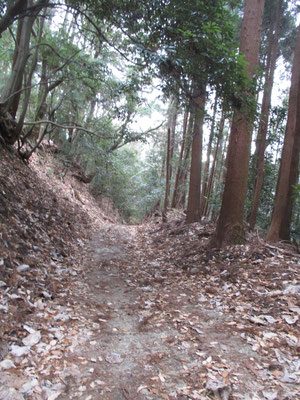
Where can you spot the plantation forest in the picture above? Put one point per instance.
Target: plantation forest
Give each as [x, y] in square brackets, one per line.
[149, 199]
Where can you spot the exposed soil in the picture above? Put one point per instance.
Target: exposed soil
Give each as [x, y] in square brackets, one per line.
[97, 310]
[134, 358]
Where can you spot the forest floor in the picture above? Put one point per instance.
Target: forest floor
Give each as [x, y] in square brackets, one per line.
[94, 309]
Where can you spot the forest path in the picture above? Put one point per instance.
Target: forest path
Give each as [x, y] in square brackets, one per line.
[147, 312]
[145, 337]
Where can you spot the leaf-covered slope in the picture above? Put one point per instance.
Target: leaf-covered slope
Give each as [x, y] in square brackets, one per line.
[45, 216]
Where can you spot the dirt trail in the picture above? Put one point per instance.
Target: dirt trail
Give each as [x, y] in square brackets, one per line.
[144, 312]
[137, 349]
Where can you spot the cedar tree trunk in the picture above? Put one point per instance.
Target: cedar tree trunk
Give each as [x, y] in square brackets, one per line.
[285, 227]
[193, 208]
[230, 226]
[180, 160]
[265, 111]
[283, 184]
[208, 154]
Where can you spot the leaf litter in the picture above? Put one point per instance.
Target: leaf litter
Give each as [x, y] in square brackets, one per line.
[143, 312]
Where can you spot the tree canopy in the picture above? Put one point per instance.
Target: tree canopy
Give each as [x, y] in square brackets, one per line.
[84, 73]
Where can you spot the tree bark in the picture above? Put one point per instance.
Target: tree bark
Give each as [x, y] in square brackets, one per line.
[193, 208]
[281, 198]
[172, 125]
[208, 153]
[15, 8]
[181, 189]
[213, 167]
[180, 160]
[265, 111]
[230, 226]
[285, 227]
[16, 99]
[168, 173]
[11, 90]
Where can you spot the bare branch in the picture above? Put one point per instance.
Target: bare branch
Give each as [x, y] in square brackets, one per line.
[78, 127]
[100, 33]
[154, 129]
[67, 60]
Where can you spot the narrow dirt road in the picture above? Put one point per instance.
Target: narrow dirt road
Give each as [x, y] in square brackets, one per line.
[145, 314]
[144, 338]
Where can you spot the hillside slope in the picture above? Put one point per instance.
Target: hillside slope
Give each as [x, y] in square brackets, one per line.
[145, 312]
[46, 218]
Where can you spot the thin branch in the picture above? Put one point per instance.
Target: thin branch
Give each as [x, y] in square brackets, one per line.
[118, 144]
[154, 129]
[99, 31]
[12, 35]
[78, 127]
[18, 91]
[56, 53]
[44, 83]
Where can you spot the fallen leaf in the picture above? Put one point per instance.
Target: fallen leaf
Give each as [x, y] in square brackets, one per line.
[28, 386]
[32, 339]
[270, 395]
[19, 350]
[164, 396]
[7, 364]
[289, 319]
[219, 389]
[142, 387]
[114, 358]
[257, 320]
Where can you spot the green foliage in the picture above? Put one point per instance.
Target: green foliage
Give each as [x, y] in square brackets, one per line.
[181, 41]
[6, 54]
[133, 185]
[150, 184]
[277, 126]
[103, 56]
[288, 29]
[115, 180]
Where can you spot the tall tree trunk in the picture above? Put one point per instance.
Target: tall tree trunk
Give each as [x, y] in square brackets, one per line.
[12, 89]
[16, 98]
[193, 208]
[265, 111]
[283, 184]
[181, 191]
[218, 182]
[172, 126]
[180, 160]
[230, 227]
[11, 93]
[213, 167]
[285, 227]
[28, 81]
[42, 106]
[173, 110]
[208, 153]
[168, 173]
